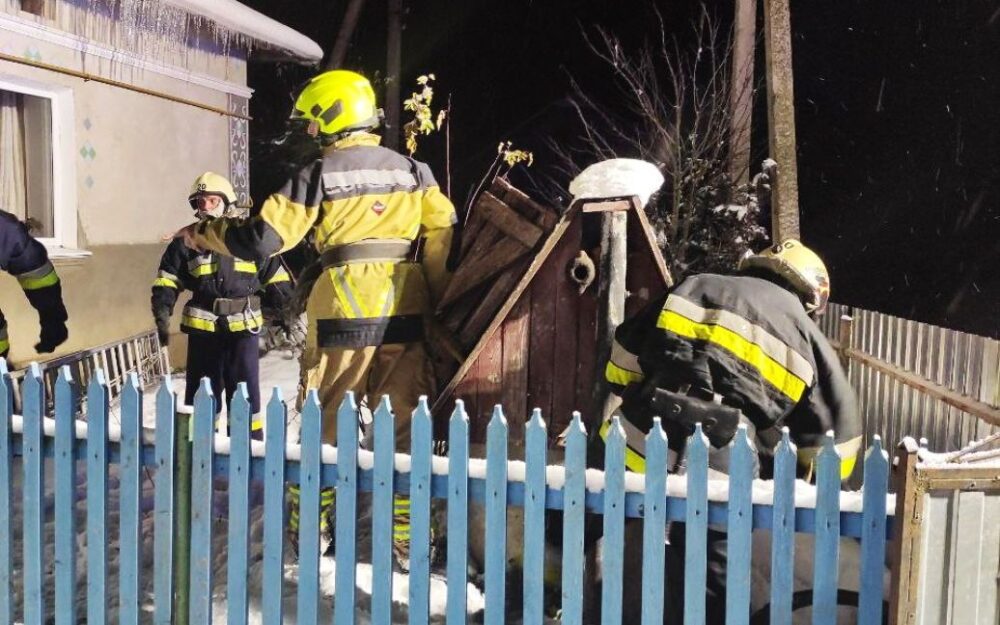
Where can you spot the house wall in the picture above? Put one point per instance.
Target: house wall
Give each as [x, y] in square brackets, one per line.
[135, 157]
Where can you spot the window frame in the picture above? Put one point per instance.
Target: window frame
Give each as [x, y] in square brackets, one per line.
[64, 191]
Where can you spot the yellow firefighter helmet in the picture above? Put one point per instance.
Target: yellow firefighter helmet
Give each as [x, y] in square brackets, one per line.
[798, 265]
[211, 183]
[337, 102]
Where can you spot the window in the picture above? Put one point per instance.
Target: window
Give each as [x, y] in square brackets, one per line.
[37, 170]
[26, 160]
[36, 7]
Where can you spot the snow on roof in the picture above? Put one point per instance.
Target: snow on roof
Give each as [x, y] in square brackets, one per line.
[232, 15]
[617, 177]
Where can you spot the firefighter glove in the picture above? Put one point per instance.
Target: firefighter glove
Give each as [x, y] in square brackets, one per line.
[54, 334]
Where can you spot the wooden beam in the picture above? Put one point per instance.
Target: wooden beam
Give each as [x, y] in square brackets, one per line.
[508, 220]
[741, 90]
[905, 546]
[978, 409]
[781, 119]
[654, 249]
[606, 206]
[611, 270]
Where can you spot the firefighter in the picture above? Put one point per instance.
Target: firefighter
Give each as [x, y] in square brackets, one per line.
[26, 259]
[225, 314]
[721, 350]
[383, 231]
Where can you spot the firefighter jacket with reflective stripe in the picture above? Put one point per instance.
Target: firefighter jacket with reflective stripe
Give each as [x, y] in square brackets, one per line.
[358, 191]
[26, 259]
[225, 290]
[750, 341]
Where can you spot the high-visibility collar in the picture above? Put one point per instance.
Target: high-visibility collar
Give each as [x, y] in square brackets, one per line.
[357, 138]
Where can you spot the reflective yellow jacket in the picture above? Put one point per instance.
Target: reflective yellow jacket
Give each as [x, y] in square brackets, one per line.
[358, 191]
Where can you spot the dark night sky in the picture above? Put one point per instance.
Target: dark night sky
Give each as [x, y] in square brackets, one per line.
[897, 110]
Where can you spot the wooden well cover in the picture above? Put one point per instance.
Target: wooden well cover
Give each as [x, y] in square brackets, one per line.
[539, 349]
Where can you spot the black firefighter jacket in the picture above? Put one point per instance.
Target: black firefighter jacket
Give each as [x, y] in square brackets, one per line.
[26, 259]
[750, 341]
[225, 291]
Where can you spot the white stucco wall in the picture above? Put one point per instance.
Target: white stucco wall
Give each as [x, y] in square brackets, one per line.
[135, 156]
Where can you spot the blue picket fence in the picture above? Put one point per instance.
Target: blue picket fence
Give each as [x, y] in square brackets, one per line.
[532, 485]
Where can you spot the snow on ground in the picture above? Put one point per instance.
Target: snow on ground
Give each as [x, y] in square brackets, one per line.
[277, 369]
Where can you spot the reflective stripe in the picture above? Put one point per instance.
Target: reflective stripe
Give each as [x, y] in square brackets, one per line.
[165, 278]
[775, 349]
[256, 425]
[203, 265]
[388, 299]
[245, 266]
[38, 278]
[345, 294]
[635, 460]
[204, 270]
[198, 319]
[616, 375]
[198, 324]
[240, 322]
[625, 359]
[4, 345]
[749, 352]
[848, 452]
[279, 276]
[369, 177]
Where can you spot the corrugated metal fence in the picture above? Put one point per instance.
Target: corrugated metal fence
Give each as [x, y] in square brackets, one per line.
[53, 592]
[932, 374]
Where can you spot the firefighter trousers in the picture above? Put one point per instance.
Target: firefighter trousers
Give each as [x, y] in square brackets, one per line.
[226, 360]
[400, 370]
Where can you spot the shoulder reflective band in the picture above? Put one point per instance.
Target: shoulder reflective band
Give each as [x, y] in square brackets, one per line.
[4, 343]
[202, 265]
[244, 266]
[779, 364]
[38, 278]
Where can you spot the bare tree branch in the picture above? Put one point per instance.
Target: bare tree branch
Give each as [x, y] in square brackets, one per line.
[674, 107]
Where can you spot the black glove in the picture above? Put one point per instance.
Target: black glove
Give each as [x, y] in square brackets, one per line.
[54, 334]
[164, 335]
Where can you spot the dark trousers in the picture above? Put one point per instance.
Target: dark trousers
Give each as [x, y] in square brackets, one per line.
[226, 360]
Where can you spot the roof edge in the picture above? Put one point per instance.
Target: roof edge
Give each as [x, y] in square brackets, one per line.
[268, 32]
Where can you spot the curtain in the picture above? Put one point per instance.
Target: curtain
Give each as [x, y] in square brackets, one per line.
[13, 190]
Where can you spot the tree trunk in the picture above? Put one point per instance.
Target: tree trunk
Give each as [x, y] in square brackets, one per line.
[339, 51]
[393, 69]
[741, 90]
[781, 119]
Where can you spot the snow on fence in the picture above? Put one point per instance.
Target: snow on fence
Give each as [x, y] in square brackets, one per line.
[496, 484]
[919, 380]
